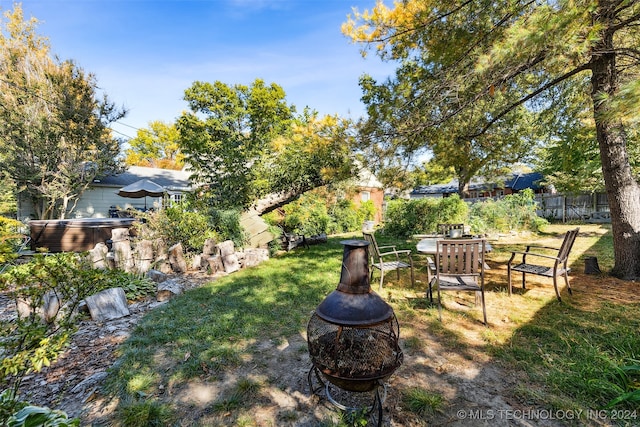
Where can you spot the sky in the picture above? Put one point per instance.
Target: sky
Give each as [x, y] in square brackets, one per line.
[145, 53]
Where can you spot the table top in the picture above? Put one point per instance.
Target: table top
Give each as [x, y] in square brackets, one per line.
[428, 245]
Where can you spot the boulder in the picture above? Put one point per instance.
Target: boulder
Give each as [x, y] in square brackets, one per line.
[98, 256]
[228, 255]
[254, 256]
[108, 304]
[176, 258]
[215, 264]
[168, 289]
[144, 255]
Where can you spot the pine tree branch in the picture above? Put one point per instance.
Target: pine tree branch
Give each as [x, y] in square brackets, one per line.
[533, 94]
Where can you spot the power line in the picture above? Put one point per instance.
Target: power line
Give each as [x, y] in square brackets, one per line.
[124, 124]
[123, 134]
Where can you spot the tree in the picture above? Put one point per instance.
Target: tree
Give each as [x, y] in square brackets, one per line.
[248, 148]
[392, 134]
[53, 128]
[156, 146]
[524, 49]
[570, 159]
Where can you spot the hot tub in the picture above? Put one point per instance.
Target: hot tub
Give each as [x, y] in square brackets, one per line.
[74, 235]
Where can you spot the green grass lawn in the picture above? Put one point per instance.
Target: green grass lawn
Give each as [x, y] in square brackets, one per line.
[569, 355]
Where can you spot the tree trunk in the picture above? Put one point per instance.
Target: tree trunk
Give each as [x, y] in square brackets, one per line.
[273, 201]
[623, 192]
[464, 178]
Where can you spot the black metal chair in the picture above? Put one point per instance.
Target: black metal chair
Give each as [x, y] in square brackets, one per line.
[555, 265]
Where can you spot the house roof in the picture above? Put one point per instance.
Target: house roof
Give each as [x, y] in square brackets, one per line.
[167, 178]
[367, 179]
[516, 182]
[525, 180]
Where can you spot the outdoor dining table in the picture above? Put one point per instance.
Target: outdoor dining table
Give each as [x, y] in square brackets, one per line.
[427, 245]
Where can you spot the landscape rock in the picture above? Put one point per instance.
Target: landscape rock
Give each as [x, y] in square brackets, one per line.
[162, 257]
[254, 256]
[98, 255]
[47, 309]
[215, 264]
[144, 255]
[176, 258]
[122, 249]
[156, 276]
[228, 255]
[168, 289]
[91, 381]
[108, 304]
[210, 248]
[200, 262]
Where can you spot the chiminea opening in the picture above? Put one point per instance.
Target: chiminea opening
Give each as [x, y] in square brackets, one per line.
[353, 334]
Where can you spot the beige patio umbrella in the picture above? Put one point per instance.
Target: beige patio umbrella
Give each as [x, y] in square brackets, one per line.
[142, 188]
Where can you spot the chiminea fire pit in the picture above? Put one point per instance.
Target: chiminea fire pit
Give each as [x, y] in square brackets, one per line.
[353, 334]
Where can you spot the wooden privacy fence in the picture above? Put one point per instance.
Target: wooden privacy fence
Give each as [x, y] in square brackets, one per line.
[588, 207]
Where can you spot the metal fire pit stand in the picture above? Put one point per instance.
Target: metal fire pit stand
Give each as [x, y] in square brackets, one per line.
[378, 400]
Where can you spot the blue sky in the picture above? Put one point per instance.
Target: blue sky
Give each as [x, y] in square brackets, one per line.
[145, 53]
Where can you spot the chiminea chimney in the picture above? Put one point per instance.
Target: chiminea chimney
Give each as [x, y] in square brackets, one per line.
[353, 334]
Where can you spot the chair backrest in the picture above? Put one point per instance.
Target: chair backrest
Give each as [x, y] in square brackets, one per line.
[460, 257]
[444, 229]
[373, 245]
[567, 244]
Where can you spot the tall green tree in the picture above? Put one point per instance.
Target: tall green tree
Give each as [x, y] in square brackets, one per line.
[247, 147]
[53, 127]
[523, 49]
[570, 158]
[157, 146]
[393, 135]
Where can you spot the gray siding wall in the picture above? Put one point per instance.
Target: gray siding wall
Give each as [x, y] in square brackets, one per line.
[95, 203]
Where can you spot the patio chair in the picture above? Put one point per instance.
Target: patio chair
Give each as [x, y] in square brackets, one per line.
[459, 267]
[387, 258]
[547, 265]
[445, 229]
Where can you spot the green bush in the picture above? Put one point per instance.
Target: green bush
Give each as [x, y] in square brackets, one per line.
[366, 211]
[226, 225]
[34, 416]
[308, 216]
[181, 223]
[10, 238]
[314, 214]
[512, 212]
[344, 217]
[176, 224]
[406, 217]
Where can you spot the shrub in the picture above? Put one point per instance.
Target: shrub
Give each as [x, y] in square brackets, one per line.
[31, 416]
[32, 340]
[10, 238]
[226, 225]
[366, 211]
[406, 217]
[344, 217]
[308, 216]
[314, 213]
[176, 224]
[512, 212]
